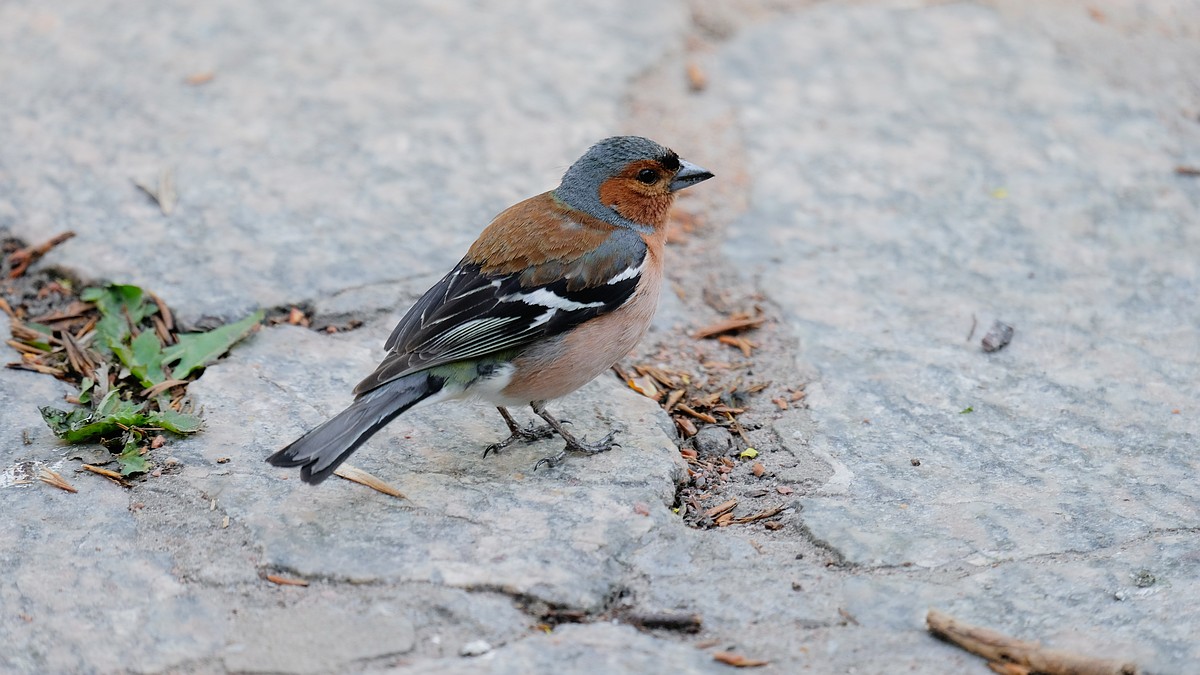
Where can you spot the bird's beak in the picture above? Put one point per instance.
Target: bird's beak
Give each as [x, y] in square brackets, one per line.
[688, 174]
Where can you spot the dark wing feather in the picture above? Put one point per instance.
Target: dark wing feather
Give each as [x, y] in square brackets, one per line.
[470, 313]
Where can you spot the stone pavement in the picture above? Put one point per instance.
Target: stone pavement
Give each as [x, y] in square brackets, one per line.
[890, 174]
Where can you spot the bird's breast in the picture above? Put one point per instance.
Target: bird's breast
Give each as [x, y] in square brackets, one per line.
[560, 365]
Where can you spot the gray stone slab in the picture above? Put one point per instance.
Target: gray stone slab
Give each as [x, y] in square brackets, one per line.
[920, 170]
[951, 170]
[317, 638]
[464, 512]
[603, 647]
[337, 144]
[905, 169]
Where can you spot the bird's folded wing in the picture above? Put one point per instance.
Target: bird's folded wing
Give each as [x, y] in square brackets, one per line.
[471, 313]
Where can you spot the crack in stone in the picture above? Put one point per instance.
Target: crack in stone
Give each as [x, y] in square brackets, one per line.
[839, 559]
[1074, 555]
[553, 613]
[1071, 555]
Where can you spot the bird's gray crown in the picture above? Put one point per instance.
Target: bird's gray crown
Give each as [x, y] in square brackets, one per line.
[580, 187]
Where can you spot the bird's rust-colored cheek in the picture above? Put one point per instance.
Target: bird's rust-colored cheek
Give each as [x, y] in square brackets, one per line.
[643, 204]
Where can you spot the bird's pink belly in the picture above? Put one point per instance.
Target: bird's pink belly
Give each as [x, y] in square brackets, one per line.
[559, 367]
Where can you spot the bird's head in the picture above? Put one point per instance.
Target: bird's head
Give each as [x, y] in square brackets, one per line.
[628, 181]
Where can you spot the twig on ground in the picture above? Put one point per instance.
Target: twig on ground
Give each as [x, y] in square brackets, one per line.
[730, 325]
[1003, 652]
[285, 581]
[687, 623]
[21, 260]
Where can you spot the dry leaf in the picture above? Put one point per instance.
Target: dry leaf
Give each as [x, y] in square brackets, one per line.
[645, 387]
[703, 417]
[697, 80]
[673, 398]
[761, 515]
[721, 509]
[163, 193]
[286, 581]
[740, 342]
[686, 427]
[357, 475]
[22, 259]
[53, 478]
[734, 323]
[738, 660]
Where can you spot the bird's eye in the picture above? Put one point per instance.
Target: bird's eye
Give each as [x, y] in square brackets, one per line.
[647, 176]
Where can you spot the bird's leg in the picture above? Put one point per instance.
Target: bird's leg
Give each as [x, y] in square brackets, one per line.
[572, 443]
[518, 433]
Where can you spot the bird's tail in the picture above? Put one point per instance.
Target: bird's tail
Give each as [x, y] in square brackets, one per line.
[321, 450]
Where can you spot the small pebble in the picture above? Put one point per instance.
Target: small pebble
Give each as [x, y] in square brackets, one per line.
[475, 648]
[998, 337]
[914, 461]
[713, 441]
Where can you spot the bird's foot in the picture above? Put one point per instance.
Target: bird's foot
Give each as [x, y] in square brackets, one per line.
[526, 434]
[603, 445]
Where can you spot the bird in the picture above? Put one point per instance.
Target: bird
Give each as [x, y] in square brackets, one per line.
[556, 290]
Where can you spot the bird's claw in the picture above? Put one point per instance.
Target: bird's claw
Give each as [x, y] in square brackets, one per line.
[603, 445]
[527, 434]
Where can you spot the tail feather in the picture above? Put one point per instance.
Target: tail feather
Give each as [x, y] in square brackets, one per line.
[319, 452]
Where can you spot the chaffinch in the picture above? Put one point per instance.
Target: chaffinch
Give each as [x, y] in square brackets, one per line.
[556, 290]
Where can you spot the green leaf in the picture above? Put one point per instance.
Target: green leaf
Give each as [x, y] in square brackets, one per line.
[119, 305]
[112, 418]
[131, 459]
[85, 390]
[967, 410]
[81, 425]
[177, 422]
[62, 422]
[112, 405]
[143, 357]
[196, 350]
